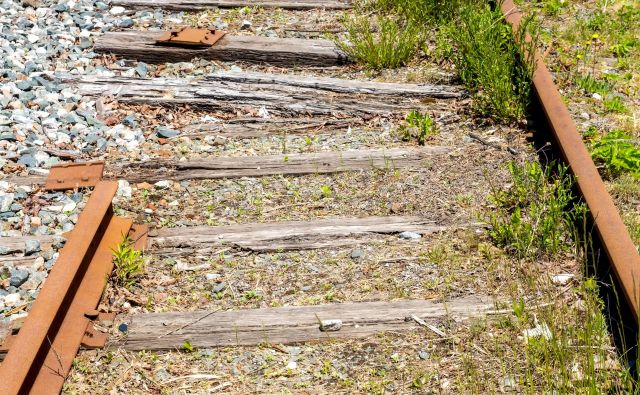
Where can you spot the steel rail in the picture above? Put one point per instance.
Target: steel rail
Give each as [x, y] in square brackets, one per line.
[611, 231]
[41, 354]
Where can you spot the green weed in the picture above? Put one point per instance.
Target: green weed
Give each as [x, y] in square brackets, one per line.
[417, 126]
[553, 7]
[592, 85]
[389, 44]
[535, 216]
[187, 347]
[128, 261]
[614, 104]
[491, 63]
[423, 11]
[617, 152]
[325, 191]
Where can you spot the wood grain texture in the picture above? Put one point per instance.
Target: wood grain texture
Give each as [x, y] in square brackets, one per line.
[260, 127]
[339, 85]
[291, 235]
[289, 325]
[257, 166]
[284, 52]
[202, 5]
[280, 96]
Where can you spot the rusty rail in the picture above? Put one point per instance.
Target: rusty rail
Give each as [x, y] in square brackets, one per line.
[60, 321]
[613, 234]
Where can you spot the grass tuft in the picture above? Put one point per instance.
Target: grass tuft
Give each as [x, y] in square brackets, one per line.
[389, 43]
[491, 64]
[535, 216]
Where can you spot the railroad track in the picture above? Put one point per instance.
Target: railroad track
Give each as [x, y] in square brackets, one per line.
[424, 192]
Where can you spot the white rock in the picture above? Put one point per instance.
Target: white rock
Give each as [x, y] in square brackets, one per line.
[69, 207]
[212, 276]
[12, 299]
[124, 189]
[330, 325]
[117, 10]
[164, 184]
[538, 331]
[292, 365]
[597, 96]
[562, 279]
[38, 263]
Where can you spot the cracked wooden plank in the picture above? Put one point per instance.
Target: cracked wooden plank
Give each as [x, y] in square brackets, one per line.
[290, 325]
[280, 95]
[284, 52]
[292, 235]
[291, 164]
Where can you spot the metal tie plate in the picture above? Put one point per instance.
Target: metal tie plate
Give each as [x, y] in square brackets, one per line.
[74, 175]
[191, 37]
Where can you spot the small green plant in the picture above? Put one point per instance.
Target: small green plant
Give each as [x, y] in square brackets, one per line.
[591, 85]
[614, 104]
[325, 191]
[536, 215]
[186, 346]
[128, 261]
[617, 153]
[623, 48]
[493, 66]
[389, 44]
[553, 7]
[417, 126]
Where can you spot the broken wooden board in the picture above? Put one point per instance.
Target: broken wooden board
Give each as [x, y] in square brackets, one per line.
[203, 5]
[290, 325]
[339, 85]
[335, 97]
[291, 164]
[284, 52]
[291, 235]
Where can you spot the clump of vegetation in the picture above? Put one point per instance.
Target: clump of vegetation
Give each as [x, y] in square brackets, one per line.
[536, 215]
[423, 11]
[390, 43]
[417, 126]
[494, 66]
[129, 263]
[617, 152]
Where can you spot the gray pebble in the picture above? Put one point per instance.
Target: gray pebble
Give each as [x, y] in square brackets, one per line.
[18, 277]
[330, 325]
[356, 253]
[6, 201]
[219, 288]
[166, 132]
[31, 246]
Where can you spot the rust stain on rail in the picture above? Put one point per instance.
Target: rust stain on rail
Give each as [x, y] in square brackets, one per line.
[613, 234]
